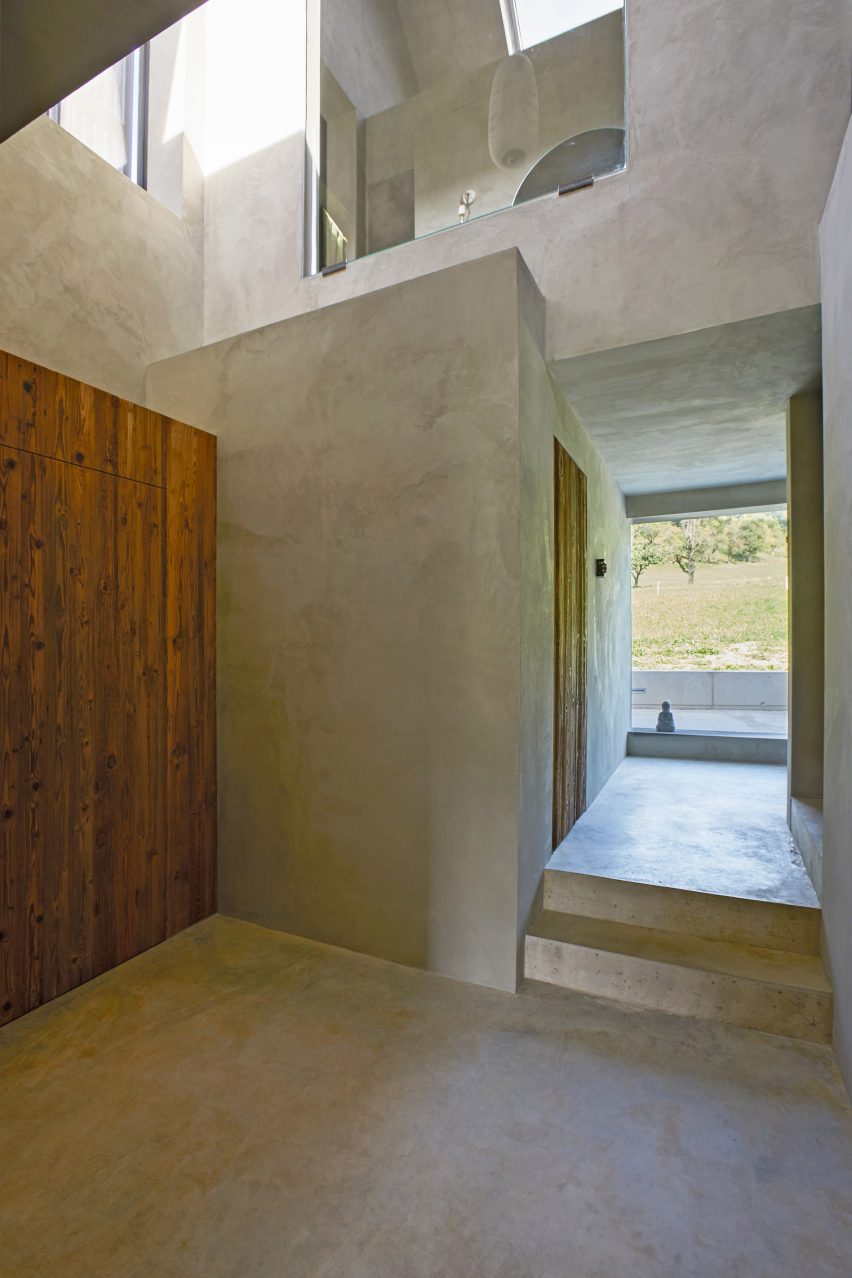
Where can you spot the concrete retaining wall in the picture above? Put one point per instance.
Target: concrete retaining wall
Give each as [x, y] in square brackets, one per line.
[705, 689]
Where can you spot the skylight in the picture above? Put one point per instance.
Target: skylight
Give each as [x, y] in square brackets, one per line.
[543, 19]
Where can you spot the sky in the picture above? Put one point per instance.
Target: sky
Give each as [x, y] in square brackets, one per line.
[542, 19]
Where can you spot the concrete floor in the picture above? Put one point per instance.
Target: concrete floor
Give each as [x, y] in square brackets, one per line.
[707, 827]
[237, 1103]
[716, 720]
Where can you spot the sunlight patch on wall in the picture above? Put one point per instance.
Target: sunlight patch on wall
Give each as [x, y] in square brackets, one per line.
[255, 90]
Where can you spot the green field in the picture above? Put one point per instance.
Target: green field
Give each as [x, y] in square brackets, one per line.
[734, 617]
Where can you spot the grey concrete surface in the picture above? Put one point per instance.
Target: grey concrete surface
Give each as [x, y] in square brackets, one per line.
[723, 690]
[239, 1102]
[836, 251]
[716, 719]
[97, 279]
[718, 747]
[806, 826]
[702, 409]
[729, 499]
[652, 252]
[545, 416]
[709, 915]
[659, 969]
[612, 275]
[48, 48]
[706, 827]
[806, 584]
[385, 580]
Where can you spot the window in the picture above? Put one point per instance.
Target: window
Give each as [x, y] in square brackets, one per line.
[110, 115]
[495, 105]
[530, 22]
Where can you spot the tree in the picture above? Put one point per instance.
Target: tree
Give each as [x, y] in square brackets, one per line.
[747, 538]
[693, 546]
[725, 536]
[648, 547]
[752, 538]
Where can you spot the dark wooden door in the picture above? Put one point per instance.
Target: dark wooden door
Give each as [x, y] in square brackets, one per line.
[569, 713]
[107, 682]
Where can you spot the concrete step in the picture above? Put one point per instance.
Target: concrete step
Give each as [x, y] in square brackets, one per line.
[720, 747]
[744, 985]
[806, 827]
[713, 917]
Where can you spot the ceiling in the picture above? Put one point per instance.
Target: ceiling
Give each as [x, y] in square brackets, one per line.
[698, 410]
[48, 48]
[447, 38]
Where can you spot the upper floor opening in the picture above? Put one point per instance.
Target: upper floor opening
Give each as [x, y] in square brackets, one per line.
[425, 116]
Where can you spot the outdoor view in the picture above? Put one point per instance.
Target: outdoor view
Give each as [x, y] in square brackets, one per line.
[710, 609]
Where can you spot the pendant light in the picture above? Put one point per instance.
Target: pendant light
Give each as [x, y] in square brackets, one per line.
[513, 126]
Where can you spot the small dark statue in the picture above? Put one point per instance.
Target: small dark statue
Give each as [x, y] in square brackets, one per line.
[665, 719]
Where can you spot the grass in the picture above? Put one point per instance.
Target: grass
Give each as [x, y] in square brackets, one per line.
[734, 617]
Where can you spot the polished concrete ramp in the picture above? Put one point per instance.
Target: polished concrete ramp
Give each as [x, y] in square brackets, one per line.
[698, 826]
[237, 1103]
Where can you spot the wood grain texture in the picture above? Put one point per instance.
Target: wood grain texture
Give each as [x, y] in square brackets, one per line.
[55, 416]
[569, 711]
[107, 686]
[190, 630]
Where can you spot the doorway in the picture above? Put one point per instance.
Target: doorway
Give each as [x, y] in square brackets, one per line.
[569, 711]
[710, 622]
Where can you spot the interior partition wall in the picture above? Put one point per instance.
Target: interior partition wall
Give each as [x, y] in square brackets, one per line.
[107, 681]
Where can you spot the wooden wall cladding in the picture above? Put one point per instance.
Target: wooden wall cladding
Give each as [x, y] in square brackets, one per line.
[570, 643]
[107, 681]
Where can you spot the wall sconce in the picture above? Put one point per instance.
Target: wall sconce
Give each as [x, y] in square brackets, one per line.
[600, 567]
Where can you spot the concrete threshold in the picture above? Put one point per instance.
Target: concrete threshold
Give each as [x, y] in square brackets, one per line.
[806, 827]
[721, 747]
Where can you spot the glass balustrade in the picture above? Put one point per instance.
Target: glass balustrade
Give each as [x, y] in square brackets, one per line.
[431, 113]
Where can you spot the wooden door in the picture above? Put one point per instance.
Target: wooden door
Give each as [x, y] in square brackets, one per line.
[569, 714]
[107, 731]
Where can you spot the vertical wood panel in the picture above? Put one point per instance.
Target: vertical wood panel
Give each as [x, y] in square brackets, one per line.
[190, 629]
[107, 683]
[569, 713]
[46, 413]
[14, 715]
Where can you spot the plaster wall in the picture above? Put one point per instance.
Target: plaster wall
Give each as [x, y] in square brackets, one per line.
[545, 415]
[836, 252]
[712, 222]
[253, 156]
[807, 596]
[48, 48]
[364, 47]
[442, 134]
[97, 278]
[385, 623]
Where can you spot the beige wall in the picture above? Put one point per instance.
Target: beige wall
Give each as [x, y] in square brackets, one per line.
[545, 415]
[364, 48]
[713, 221]
[253, 154]
[372, 654]
[836, 250]
[97, 279]
[807, 597]
[580, 77]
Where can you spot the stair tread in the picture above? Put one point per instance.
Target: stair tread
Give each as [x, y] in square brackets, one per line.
[761, 903]
[725, 958]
